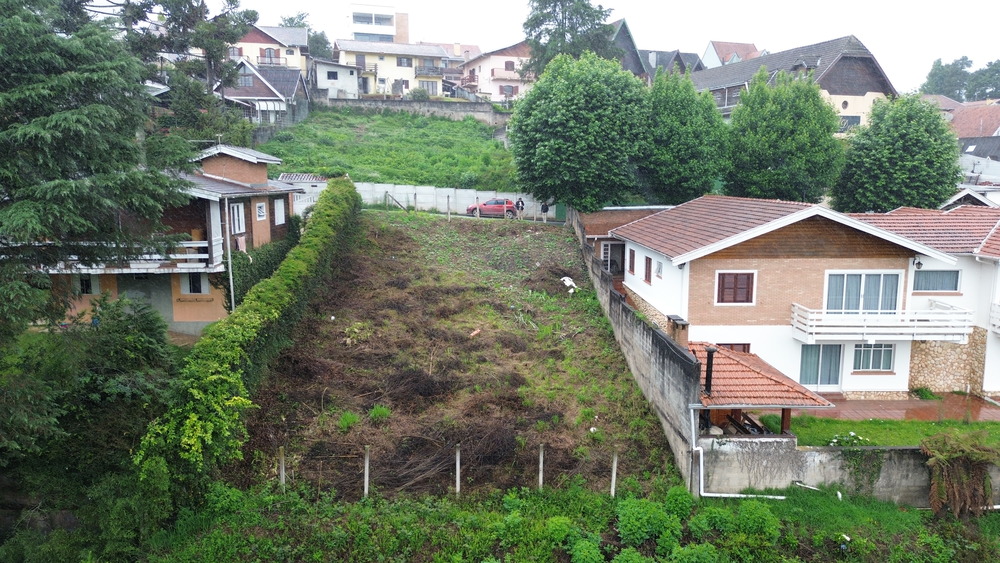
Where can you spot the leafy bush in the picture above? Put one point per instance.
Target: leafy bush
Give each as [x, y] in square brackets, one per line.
[586, 551]
[679, 502]
[640, 520]
[419, 95]
[670, 537]
[712, 521]
[695, 553]
[925, 394]
[631, 555]
[379, 413]
[756, 521]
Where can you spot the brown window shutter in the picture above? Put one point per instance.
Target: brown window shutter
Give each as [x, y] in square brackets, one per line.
[515, 90]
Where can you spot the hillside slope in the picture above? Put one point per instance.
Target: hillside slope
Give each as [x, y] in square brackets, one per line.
[464, 333]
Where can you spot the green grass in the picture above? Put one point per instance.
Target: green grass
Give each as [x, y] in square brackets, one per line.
[815, 431]
[394, 148]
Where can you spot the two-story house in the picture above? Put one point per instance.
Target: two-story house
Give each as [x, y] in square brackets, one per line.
[268, 95]
[848, 75]
[836, 302]
[393, 68]
[497, 74]
[233, 207]
[274, 46]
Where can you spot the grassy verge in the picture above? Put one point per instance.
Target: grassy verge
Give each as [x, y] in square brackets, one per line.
[815, 431]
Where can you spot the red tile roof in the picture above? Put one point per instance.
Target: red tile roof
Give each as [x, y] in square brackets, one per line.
[704, 221]
[968, 229]
[727, 49]
[598, 224]
[975, 121]
[741, 379]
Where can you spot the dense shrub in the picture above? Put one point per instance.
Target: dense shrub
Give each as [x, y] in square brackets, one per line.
[640, 520]
[586, 551]
[711, 522]
[679, 502]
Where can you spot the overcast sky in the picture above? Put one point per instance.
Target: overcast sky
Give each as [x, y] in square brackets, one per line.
[905, 38]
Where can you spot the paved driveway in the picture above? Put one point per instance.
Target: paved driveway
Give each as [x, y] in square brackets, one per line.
[950, 407]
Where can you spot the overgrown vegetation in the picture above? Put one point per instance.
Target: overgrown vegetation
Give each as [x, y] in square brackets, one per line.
[394, 148]
[960, 478]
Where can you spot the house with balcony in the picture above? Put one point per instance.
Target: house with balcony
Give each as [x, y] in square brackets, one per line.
[848, 75]
[233, 207]
[496, 75]
[840, 303]
[393, 68]
[274, 46]
[268, 95]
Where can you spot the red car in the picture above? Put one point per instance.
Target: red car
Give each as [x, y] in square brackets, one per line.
[497, 207]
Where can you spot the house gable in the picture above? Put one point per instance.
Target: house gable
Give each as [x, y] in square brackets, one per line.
[813, 237]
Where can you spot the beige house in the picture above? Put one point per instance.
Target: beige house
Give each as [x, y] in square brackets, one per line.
[848, 75]
[393, 68]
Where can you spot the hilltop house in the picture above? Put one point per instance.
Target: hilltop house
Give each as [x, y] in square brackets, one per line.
[393, 68]
[274, 46]
[854, 304]
[848, 75]
[232, 207]
[497, 74]
[268, 95]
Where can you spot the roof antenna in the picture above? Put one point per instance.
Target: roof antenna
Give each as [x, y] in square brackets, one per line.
[218, 138]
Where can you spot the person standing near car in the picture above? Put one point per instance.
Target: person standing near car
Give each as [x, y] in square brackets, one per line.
[519, 205]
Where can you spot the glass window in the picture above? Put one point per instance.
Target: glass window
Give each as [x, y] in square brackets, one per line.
[873, 357]
[649, 269]
[236, 219]
[363, 18]
[935, 280]
[194, 283]
[853, 293]
[383, 19]
[279, 212]
[404, 61]
[735, 287]
[261, 211]
[631, 261]
[331, 75]
[820, 364]
[659, 269]
[89, 284]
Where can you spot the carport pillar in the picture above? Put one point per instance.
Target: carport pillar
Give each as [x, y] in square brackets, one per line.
[786, 420]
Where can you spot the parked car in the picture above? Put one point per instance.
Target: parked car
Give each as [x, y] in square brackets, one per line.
[496, 207]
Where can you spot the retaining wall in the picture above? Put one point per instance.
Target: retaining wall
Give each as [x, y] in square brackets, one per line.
[442, 200]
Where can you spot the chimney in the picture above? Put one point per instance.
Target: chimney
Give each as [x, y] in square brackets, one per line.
[708, 368]
[678, 330]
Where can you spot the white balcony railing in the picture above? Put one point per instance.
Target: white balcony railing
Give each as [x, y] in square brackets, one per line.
[186, 255]
[940, 322]
[995, 318]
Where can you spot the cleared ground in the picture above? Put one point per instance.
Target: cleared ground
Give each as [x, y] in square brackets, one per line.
[464, 333]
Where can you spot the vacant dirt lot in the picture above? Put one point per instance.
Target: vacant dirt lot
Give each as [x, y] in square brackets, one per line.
[433, 333]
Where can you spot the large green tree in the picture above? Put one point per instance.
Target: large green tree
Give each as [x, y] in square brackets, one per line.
[984, 84]
[685, 147]
[577, 132]
[74, 180]
[949, 80]
[782, 143]
[906, 156]
[566, 27]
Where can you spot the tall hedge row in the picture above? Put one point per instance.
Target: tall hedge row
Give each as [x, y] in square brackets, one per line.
[205, 427]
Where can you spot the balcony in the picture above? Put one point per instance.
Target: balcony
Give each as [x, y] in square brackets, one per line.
[428, 71]
[197, 255]
[470, 80]
[504, 74]
[995, 318]
[274, 61]
[940, 322]
[364, 68]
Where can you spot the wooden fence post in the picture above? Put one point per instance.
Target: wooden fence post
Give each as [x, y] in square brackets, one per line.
[458, 468]
[614, 473]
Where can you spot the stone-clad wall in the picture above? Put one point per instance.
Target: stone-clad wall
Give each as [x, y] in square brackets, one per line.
[948, 366]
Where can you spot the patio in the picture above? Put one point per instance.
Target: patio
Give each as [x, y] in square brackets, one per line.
[950, 407]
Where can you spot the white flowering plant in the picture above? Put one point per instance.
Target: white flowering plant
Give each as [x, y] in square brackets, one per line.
[850, 440]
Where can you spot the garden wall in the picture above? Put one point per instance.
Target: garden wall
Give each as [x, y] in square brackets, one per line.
[442, 200]
[897, 475]
[456, 111]
[668, 375]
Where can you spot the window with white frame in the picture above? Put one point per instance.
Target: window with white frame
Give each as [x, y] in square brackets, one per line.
[863, 291]
[659, 269]
[873, 357]
[935, 280]
[237, 221]
[194, 283]
[404, 61]
[431, 87]
[279, 212]
[735, 288]
[261, 211]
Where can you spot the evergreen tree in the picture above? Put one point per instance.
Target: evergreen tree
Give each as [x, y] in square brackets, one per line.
[576, 134]
[566, 27]
[782, 143]
[685, 151]
[73, 184]
[906, 156]
[984, 84]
